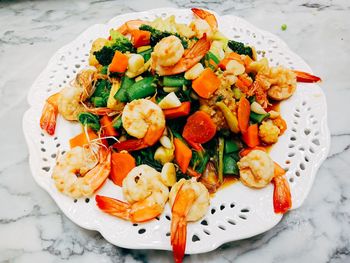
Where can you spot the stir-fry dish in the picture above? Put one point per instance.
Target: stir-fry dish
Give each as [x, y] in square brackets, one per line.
[169, 112]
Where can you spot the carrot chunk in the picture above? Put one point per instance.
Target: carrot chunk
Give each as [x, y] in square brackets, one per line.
[107, 126]
[243, 114]
[180, 111]
[122, 163]
[251, 137]
[199, 128]
[206, 84]
[119, 63]
[183, 154]
[82, 139]
[140, 38]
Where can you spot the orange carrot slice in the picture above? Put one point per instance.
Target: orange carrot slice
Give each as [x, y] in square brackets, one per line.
[119, 63]
[82, 139]
[206, 84]
[122, 164]
[199, 128]
[243, 114]
[140, 38]
[183, 154]
[107, 126]
[251, 137]
[180, 111]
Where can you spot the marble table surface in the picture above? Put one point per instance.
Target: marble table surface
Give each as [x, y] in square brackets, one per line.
[32, 228]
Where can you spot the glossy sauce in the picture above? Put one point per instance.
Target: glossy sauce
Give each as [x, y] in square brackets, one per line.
[229, 180]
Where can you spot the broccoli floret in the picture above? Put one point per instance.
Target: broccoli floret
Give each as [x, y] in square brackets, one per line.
[120, 43]
[239, 48]
[157, 35]
[104, 56]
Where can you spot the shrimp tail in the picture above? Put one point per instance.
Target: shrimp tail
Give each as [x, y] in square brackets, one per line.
[113, 206]
[178, 238]
[306, 77]
[181, 207]
[282, 199]
[138, 212]
[207, 16]
[143, 211]
[95, 178]
[49, 114]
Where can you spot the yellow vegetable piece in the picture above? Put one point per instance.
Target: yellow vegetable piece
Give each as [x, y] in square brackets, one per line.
[231, 119]
[143, 48]
[112, 103]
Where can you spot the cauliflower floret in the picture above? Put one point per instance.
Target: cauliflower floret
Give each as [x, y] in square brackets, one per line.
[256, 169]
[268, 132]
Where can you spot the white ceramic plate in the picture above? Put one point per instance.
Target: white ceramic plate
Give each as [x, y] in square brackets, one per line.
[236, 212]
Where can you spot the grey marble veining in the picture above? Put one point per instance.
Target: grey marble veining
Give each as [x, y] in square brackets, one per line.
[32, 228]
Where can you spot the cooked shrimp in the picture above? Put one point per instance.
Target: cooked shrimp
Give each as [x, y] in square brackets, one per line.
[131, 25]
[145, 193]
[278, 83]
[207, 16]
[190, 57]
[143, 119]
[69, 102]
[256, 169]
[168, 51]
[84, 79]
[49, 114]
[260, 85]
[201, 27]
[71, 97]
[283, 83]
[82, 170]
[189, 201]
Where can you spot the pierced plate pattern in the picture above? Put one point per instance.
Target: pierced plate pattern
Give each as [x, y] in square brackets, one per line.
[236, 212]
